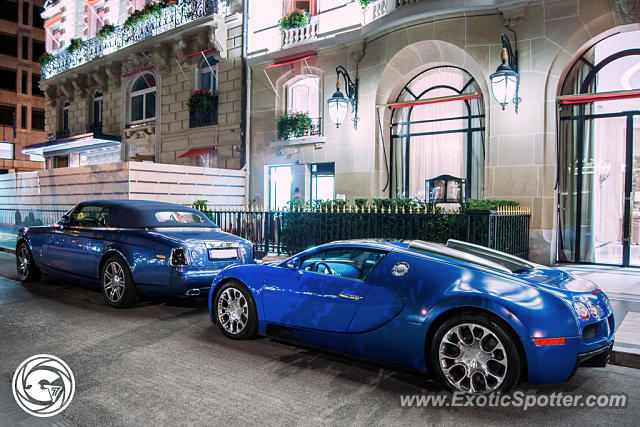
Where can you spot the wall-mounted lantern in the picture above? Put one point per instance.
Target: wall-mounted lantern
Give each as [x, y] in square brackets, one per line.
[505, 82]
[339, 104]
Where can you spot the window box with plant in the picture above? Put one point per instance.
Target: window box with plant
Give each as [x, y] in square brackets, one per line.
[149, 11]
[365, 3]
[295, 19]
[45, 59]
[74, 45]
[105, 31]
[203, 109]
[294, 125]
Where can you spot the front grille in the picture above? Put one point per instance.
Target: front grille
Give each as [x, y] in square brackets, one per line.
[603, 328]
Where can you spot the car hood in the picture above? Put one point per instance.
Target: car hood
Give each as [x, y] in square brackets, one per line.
[192, 234]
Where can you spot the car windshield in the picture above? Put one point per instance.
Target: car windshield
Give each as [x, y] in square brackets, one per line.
[177, 217]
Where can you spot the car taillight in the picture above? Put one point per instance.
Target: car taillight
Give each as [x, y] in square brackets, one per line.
[178, 257]
[581, 310]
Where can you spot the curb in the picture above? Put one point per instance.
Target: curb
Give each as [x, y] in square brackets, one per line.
[629, 360]
[7, 250]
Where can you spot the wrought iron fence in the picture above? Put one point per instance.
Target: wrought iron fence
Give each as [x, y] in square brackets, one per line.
[184, 12]
[288, 232]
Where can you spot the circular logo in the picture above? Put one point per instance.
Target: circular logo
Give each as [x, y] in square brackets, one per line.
[400, 269]
[43, 385]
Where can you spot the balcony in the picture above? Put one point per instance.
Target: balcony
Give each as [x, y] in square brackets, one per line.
[204, 118]
[184, 12]
[302, 34]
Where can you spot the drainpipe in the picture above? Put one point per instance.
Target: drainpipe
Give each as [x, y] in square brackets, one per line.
[246, 94]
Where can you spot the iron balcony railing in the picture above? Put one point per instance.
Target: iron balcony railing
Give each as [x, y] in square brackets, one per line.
[205, 118]
[289, 232]
[184, 12]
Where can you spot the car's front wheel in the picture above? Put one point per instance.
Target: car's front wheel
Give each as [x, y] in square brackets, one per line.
[26, 267]
[474, 353]
[118, 288]
[235, 311]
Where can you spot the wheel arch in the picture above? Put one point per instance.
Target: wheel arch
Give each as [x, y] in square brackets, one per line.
[108, 254]
[443, 316]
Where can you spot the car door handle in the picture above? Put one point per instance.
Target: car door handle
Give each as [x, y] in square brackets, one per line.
[349, 296]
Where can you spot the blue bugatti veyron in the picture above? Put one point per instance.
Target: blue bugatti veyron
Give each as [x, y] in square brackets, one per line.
[478, 319]
[131, 248]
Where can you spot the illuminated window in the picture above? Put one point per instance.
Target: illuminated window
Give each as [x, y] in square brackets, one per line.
[280, 180]
[323, 181]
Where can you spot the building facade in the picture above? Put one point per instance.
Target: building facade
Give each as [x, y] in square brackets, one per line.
[21, 100]
[143, 81]
[425, 109]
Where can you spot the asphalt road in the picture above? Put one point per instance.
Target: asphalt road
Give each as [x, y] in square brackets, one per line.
[164, 363]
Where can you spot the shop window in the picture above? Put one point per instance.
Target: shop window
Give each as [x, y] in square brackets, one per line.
[60, 161]
[323, 181]
[143, 99]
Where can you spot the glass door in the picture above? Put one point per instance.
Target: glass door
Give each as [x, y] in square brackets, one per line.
[280, 180]
[634, 238]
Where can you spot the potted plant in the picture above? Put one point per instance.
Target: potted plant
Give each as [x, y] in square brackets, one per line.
[202, 108]
[74, 45]
[296, 19]
[143, 15]
[293, 125]
[365, 3]
[45, 59]
[105, 31]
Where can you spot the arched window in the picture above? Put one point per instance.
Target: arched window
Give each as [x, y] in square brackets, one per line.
[143, 99]
[96, 118]
[441, 138]
[599, 155]
[208, 75]
[303, 95]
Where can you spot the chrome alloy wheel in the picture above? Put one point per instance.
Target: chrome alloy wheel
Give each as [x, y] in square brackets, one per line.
[23, 262]
[472, 358]
[114, 281]
[233, 310]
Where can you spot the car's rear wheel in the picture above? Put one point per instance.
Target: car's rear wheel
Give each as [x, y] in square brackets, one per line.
[118, 288]
[235, 311]
[27, 269]
[474, 353]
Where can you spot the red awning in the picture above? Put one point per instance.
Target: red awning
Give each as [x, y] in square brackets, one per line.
[603, 96]
[196, 152]
[291, 61]
[433, 100]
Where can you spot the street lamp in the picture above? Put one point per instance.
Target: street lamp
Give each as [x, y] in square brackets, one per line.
[339, 104]
[505, 82]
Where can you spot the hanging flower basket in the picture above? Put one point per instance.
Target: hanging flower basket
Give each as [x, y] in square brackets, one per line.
[74, 45]
[105, 31]
[295, 19]
[45, 59]
[293, 125]
[149, 11]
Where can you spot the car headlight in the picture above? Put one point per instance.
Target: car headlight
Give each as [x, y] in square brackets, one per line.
[581, 310]
[592, 309]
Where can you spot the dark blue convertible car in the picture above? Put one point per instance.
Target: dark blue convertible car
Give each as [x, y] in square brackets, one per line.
[478, 319]
[131, 248]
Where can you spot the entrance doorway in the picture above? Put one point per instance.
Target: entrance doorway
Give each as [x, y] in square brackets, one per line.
[599, 156]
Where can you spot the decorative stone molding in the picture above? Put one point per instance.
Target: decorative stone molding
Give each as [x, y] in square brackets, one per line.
[141, 140]
[101, 78]
[218, 37]
[113, 72]
[137, 61]
[514, 15]
[67, 88]
[627, 11]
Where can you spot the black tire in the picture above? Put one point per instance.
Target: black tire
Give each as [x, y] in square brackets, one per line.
[117, 284]
[26, 267]
[495, 366]
[228, 317]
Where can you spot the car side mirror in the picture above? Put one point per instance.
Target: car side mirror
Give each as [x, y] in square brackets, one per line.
[293, 264]
[65, 220]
